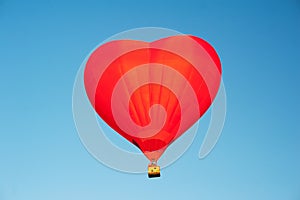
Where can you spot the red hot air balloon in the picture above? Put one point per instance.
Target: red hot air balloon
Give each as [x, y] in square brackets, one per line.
[151, 93]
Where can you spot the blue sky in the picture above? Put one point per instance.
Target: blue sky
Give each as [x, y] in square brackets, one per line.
[42, 45]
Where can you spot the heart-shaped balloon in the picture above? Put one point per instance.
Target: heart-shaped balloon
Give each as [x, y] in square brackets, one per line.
[151, 93]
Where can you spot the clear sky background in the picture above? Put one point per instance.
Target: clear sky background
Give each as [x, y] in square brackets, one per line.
[42, 45]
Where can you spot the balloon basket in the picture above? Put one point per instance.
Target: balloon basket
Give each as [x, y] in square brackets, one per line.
[153, 170]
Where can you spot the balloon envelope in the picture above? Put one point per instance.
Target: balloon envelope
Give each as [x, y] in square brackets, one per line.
[151, 93]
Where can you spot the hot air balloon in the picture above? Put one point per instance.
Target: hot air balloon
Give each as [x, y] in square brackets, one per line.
[151, 93]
